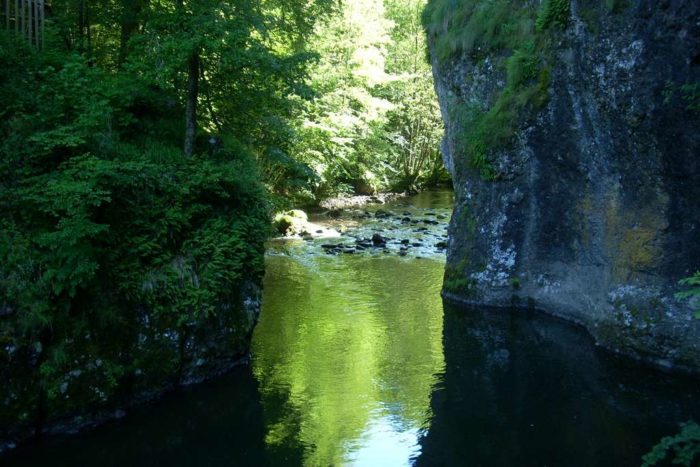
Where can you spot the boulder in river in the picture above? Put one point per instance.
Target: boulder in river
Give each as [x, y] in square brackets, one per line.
[378, 240]
[382, 214]
[295, 223]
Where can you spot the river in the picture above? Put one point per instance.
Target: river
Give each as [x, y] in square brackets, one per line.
[357, 361]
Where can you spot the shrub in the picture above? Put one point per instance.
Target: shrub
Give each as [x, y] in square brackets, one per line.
[684, 447]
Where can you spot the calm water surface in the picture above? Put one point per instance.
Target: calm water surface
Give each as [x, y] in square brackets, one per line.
[357, 361]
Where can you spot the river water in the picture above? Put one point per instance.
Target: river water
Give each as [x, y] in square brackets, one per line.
[357, 361]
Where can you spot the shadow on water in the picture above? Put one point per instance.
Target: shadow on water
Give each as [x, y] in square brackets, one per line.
[521, 388]
[215, 424]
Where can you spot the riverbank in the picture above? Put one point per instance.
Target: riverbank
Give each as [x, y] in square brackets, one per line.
[358, 201]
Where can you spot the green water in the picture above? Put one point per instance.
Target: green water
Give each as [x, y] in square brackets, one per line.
[357, 361]
[353, 348]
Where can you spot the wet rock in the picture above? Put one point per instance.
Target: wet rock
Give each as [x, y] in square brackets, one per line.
[349, 202]
[378, 240]
[441, 245]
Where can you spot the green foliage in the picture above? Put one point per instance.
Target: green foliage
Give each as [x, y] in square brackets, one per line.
[693, 292]
[115, 248]
[374, 123]
[691, 95]
[687, 93]
[517, 37]
[684, 448]
[554, 13]
[477, 28]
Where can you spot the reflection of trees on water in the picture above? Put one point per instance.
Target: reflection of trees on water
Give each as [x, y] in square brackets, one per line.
[529, 390]
[342, 343]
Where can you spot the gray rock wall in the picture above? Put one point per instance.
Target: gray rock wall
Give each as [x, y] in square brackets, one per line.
[594, 213]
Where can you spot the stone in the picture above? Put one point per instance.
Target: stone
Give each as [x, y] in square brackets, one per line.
[595, 202]
[378, 240]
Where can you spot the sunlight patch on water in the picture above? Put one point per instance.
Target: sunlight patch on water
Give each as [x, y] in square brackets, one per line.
[386, 441]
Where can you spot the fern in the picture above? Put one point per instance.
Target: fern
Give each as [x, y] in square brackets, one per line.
[683, 447]
[693, 292]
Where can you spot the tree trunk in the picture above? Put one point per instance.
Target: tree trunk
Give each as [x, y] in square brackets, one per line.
[191, 105]
[129, 23]
[81, 25]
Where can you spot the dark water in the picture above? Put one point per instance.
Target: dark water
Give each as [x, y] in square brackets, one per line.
[356, 361]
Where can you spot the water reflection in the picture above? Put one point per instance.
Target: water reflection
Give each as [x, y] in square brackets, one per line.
[525, 389]
[214, 424]
[346, 355]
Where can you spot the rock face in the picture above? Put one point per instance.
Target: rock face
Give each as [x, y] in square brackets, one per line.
[164, 352]
[593, 210]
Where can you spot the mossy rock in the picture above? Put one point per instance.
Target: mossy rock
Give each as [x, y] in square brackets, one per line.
[298, 214]
[291, 222]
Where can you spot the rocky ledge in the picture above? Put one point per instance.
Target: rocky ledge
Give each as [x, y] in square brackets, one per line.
[167, 355]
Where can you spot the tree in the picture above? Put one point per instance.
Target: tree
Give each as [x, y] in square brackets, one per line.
[375, 122]
[114, 247]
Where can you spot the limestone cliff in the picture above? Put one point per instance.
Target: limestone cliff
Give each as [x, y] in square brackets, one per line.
[587, 206]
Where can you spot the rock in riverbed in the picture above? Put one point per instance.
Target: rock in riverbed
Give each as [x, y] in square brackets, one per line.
[295, 224]
[378, 240]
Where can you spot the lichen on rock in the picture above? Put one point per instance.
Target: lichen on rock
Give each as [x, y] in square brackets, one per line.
[574, 155]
